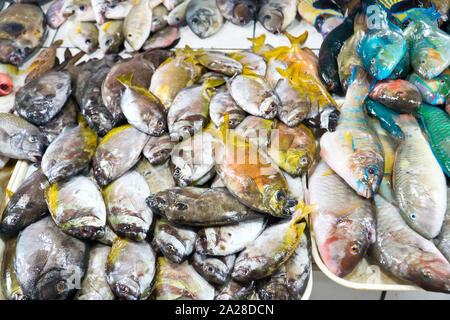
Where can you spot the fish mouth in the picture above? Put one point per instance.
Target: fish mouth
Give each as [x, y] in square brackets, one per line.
[273, 21]
[242, 14]
[153, 204]
[88, 232]
[36, 157]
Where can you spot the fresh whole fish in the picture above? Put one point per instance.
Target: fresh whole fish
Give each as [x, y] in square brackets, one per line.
[419, 183]
[324, 20]
[158, 149]
[138, 24]
[406, 254]
[11, 289]
[22, 30]
[48, 272]
[399, 95]
[130, 269]
[70, 153]
[177, 17]
[20, 139]
[83, 35]
[159, 20]
[257, 130]
[44, 62]
[219, 62]
[385, 116]
[192, 206]
[227, 240]
[115, 155]
[110, 36]
[433, 91]
[239, 12]
[176, 243]
[159, 178]
[203, 18]
[119, 10]
[276, 16]
[342, 222]
[215, 270]
[67, 117]
[233, 290]
[354, 151]
[77, 207]
[274, 287]
[42, 98]
[180, 282]
[222, 103]
[127, 213]
[299, 268]
[108, 238]
[26, 205]
[94, 285]
[252, 61]
[295, 104]
[163, 38]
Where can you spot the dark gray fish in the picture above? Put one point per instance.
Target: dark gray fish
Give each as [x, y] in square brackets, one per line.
[67, 117]
[274, 287]
[239, 12]
[158, 149]
[26, 205]
[203, 17]
[42, 98]
[234, 290]
[51, 271]
[215, 270]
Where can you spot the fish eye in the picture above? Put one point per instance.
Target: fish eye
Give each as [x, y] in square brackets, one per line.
[123, 288]
[129, 35]
[155, 20]
[422, 61]
[266, 17]
[160, 201]
[195, 20]
[177, 171]
[170, 247]
[269, 295]
[412, 216]
[177, 19]
[108, 42]
[304, 160]
[181, 206]
[88, 41]
[373, 61]
[210, 269]
[160, 123]
[280, 196]
[202, 237]
[428, 274]
[22, 297]
[355, 248]
[82, 7]
[60, 286]
[371, 171]
[32, 139]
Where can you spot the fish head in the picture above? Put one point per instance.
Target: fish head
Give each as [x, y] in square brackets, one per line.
[270, 106]
[109, 43]
[98, 116]
[131, 230]
[367, 170]
[216, 272]
[204, 239]
[244, 12]
[272, 20]
[158, 203]
[157, 124]
[12, 221]
[297, 162]
[201, 22]
[172, 248]
[427, 63]
[126, 288]
[87, 232]
[182, 172]
[53, 285]
[12, 53]
[276, 198]
[432, 274]
[295, 114]
[274, 290]
[31, 143]
[103, 172]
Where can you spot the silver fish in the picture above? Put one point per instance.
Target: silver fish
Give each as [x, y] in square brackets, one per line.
[83, 35]
[215, 270]
[177, 17]
[277, 15]
[138, 24]
[203, 18]
[158, 149]
[110, 36]
[222, 103]
[159, 18]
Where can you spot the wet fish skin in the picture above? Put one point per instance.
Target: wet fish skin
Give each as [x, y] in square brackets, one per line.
[119, 10]
[42, 98]
[222, 103]
[219, 62]
[276, 16]
[203, 18]
[274, 287]
[257, 130]
[67, 117]
[159, 20]
[239, 12]
[83, 35]
[159, 177]
[26, 205]
[44, 272]
[177, 17]
[137, 24]
[44, 62]
[164, 38]
[295, 104]
[158, 149]
[215, 270]
[385, 116]
[233, 290]
[55, 14]
[433, 91]
[399, 95]
[406, 254]
[20, 139]
[444, 235]
[299, 268]
[110, 36]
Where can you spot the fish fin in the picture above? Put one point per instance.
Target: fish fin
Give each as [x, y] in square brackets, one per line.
[236, 56]
[118, 245]
[126, 79]
[297, 41]
[247, 72]
[208, 85]
[9, 193]
[302, 210]
[328, 173]
[275, 52]
[106, 26]
[258, 42]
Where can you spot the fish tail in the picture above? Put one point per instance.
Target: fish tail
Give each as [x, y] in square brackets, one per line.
[297, 41]
[126, 79]
[258, 43]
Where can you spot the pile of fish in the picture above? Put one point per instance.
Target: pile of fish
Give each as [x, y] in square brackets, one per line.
[182, 174]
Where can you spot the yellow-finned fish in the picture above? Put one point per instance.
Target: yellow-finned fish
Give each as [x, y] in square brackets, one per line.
[138, 24]
[83, 35]
[110, 36]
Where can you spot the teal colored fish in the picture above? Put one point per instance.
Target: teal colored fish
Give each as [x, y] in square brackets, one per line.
[385, 116]
[384, 45]
[402, 69]
[433, 91]
[437, 125]
[429, 46]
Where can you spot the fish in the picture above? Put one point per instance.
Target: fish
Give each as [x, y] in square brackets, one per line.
[115, 155]
[27, 205]
[82, 10]
[189, 112]
[324, 20]
[159, 18]
[67, 117]
[192, 161]
[274, 246]
[343, 222]
[233, 290]
[177, 17]
[443, 239]
[385, 116]
[180, 282]
[108, 237]
[384, 44]
[42, 98]
[203, 207]
[110, 36]
[70, 153]
[11, 289]
[20, 139]
[203, 18]
[293, 149]
[22, 29]
[295, 104]
[127, 212]
[299, 268]
[159, 177]
[164, 38]
[55, 16]
[219, 62]
[428, 46]
[138, 24]
[399, 95]
[77, 207]
[51, 271]
[94, 285]
[214, 269]
[44, 62]
[229, 239]
[83, 35]
[6, 85]
[402, 69]
[437, 125]
[99, 7]
[254, 95]
[176, 243]
[252, 61]
[330, 49]
[257, 130]
[239, 12]
[433, 91]
[404, 253]
[354, 151]
[112, 90]
[118, 10]
[273, 287]
[170, 4]
[419, 183]
[276, 16]
[158, 149]
[222, 103]
[131, 269]
[141, 108]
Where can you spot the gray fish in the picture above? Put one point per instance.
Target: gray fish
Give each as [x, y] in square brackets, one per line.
[77, 207]
[444, 236]
[159, 177]
[70, 153]
[295, 104]
[176, 243]
[19, 139]
[11, 289]
[22, 30]
[219, 62]
[118, 10]
[67, 117]
[108, 237]
[158, 149]
[239, 12]
[251, 61]
[42, 98]
[222, 103]
[130, 269]
[51, 271]
[110, 36]
[234, 290]
[159, 20]
[26, 205]
[215, 270]
[406, 254]
[127, 213]
[199, 206]
[163, 38]
[277, 15]
[94, 285]
[274, 287]
[177, 17]
[83, 35]
[203, 18]
[137, 24]
[299, 268]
